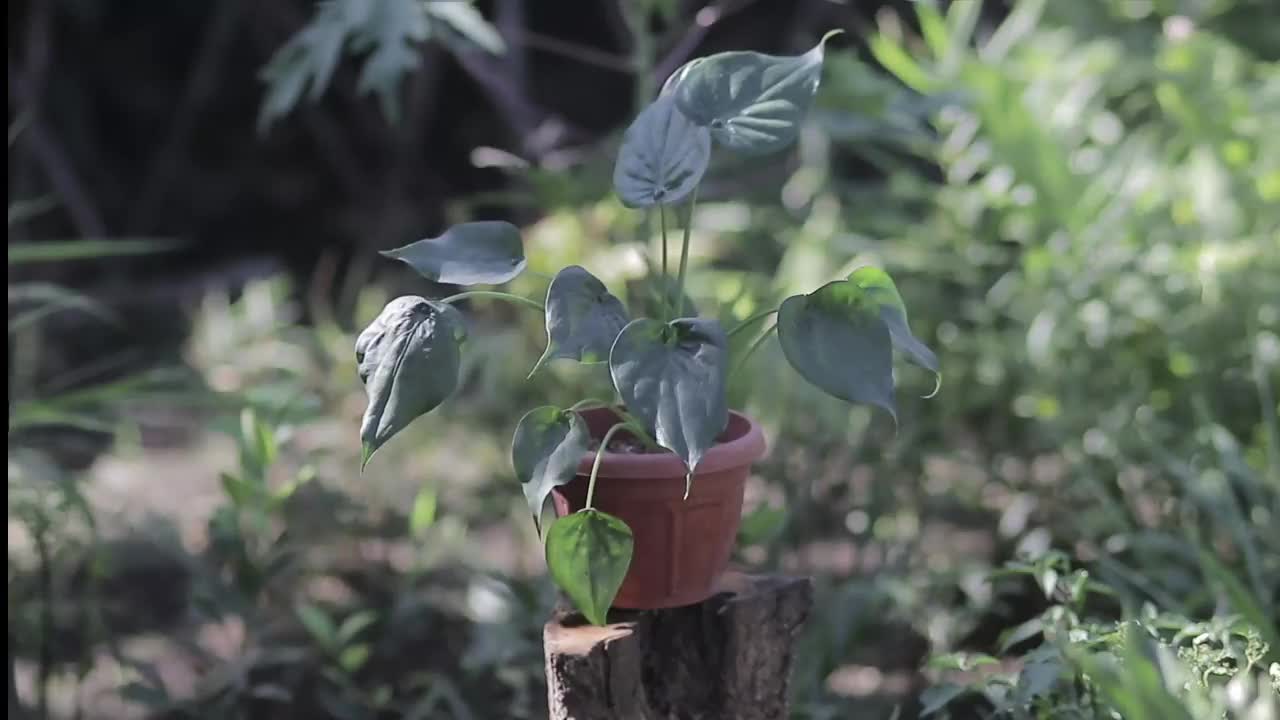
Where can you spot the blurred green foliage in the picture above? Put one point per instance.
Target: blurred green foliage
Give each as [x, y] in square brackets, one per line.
[1081, 207]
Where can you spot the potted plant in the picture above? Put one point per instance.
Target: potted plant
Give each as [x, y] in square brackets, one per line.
[648, 489]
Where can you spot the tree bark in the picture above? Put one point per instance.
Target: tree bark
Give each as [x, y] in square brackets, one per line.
[728, 657]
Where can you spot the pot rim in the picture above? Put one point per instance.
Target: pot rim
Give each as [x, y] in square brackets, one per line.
[745, 449]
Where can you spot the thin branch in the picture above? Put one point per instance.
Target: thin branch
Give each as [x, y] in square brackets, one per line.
[55, 164]
[703, 21]
[573, 51]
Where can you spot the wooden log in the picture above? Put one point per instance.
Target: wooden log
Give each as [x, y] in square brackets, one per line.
[726, 658]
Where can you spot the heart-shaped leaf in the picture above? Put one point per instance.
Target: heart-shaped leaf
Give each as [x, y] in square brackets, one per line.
[662, 158]
[408, 361]
[753, 102]
[882, 291]
[837, 341]
[583, 318]
[672, 377]
[474, 253]
[588, 554]
[841, 337]
[545, 451]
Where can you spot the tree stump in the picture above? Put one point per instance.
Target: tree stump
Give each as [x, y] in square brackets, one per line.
[728, 657]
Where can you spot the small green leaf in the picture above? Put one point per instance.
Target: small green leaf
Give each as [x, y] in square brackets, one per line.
[240, 492]
[423, 514]
[353, 658]
[545, 451]
[672, 377]
[753, 103]
[318, 624]
[408, 360]
[353, 625]
[475, 253]
[662, 158]
[583, 318]
[588, 554]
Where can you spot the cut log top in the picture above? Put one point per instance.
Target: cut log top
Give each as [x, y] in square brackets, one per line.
[728, 657]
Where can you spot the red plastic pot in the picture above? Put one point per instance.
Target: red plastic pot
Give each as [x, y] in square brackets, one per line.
[681, 545]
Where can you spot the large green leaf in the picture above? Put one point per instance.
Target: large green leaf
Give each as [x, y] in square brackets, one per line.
[838, 342]
[752, 102]
[841, 337]
[672, 377]
[408, 361]
[545, 451]
[488, 252]
[588, 554]
[583, 318]
[662, 158]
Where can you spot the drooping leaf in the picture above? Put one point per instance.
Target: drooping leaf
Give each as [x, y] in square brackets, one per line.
[662, 158]
[488, 252]
[583, 318]
[752, 102]
[672, 377]
[841, 337]
[882, 291]
[588, 554]
[837, 341]
[408, 361]
[545, 451]
[318, 624]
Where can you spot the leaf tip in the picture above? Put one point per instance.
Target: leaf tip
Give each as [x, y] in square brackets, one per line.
[688, 484]
[366, 451]
[830, 34]
[937, 387]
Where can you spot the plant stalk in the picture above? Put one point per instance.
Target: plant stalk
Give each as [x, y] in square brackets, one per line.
[684, 252]
[750, 321]
[588, 404]
[666, 273]
[493, 294]
[595, 466]
[752, 348]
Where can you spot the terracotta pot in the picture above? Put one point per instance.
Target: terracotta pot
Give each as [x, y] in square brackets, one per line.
[681, 546]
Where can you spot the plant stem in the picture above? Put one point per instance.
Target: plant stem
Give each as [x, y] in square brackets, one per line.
[750, 321]
[493, 294]
[643, 52]
[684, 251]
[595, 466]
[666, 273]
[633, 423]
[758, 342]
[588, 403]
